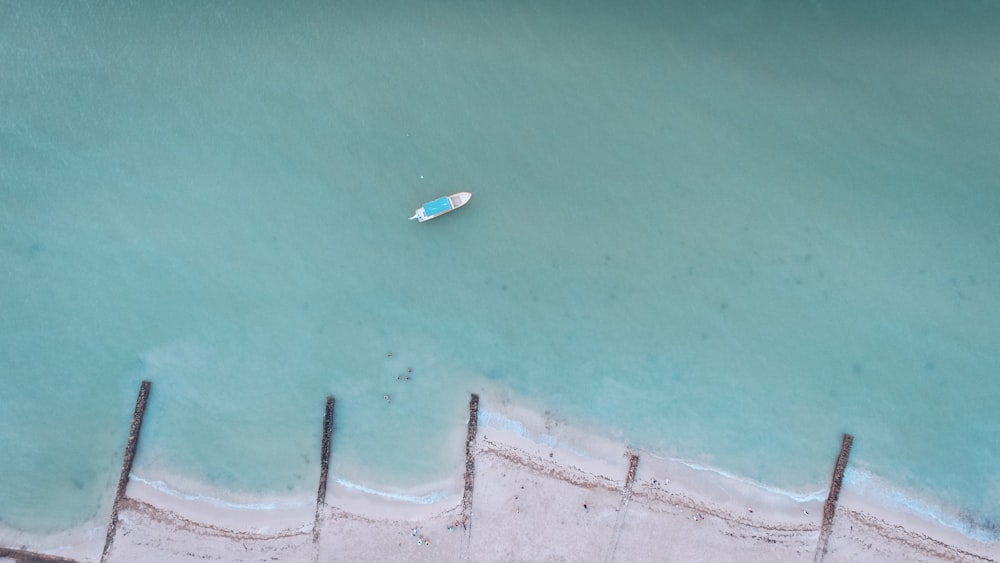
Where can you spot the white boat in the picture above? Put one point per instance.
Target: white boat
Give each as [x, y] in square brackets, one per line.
[440, 206]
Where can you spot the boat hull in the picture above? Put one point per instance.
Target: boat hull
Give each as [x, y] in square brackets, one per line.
[440, 206]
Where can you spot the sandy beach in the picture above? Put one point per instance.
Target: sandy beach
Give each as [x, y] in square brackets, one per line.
[555, 495]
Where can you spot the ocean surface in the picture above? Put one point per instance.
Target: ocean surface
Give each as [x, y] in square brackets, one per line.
[722, 231]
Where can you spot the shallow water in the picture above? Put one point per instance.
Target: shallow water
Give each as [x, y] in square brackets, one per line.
[726, 232]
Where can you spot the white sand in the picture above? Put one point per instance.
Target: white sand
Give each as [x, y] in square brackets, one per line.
[531, 502]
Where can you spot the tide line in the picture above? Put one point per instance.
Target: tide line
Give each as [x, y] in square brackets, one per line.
[166, 489]
[817, 495]
[500, 422]
[881, 492]
[430, 498]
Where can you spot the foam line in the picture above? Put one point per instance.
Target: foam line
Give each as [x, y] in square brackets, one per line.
[423, 499]
[817, 495]
[166, 489]
[882, 493]
[501, 422]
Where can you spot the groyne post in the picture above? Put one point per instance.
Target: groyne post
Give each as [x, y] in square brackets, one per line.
[633, 464]
[324, 456]
[470, 458]
[133, 443]
[470, 475]
[616, 532]
[830, 506]
[324, 471]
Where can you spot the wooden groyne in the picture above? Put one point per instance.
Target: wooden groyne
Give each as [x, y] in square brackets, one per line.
[616, 531]
[133, 443]
[324, 456]
[633, 464]
[324, 471]
[830, 506]
[837, 480]
[470, 459]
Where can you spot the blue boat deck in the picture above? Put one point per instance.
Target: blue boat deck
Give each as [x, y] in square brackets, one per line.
[439, 205]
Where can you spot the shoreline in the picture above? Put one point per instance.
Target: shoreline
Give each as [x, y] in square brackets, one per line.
[564, 472]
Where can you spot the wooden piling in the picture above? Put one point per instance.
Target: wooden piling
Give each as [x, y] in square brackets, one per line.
[633, 464]
[324, 472]
[830, 506]
[324, 459]
[470, 461]
[470, 476]
[616, 531]
[133, 443]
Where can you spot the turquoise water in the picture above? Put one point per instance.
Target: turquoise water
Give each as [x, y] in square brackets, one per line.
[725, 231]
